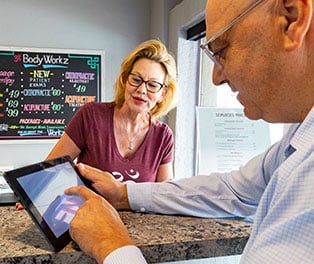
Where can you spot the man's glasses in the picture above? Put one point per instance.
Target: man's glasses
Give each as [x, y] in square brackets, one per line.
[215, 55]
[151, 86]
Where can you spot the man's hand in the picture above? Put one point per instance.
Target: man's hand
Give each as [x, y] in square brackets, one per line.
[106, 185]
[97, 227]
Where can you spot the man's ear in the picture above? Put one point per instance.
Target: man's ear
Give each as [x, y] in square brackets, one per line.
[297, 16]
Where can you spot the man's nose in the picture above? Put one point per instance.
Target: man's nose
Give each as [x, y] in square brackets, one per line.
[218, 76]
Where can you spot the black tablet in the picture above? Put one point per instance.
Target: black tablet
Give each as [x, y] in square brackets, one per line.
[40, 188]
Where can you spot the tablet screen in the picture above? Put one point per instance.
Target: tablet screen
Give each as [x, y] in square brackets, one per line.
[40, 188]
[45, 190]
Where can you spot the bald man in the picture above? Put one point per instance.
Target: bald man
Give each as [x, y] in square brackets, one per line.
[264, 50]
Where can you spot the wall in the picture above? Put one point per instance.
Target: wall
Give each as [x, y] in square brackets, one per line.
[182, 119]
[114, 26]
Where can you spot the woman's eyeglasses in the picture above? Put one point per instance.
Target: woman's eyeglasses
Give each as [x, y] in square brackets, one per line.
[151, 86]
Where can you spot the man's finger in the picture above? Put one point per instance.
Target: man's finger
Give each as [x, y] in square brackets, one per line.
[81, 191]
[90, 173]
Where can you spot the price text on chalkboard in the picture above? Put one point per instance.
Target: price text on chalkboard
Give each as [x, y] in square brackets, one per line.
[41, 91]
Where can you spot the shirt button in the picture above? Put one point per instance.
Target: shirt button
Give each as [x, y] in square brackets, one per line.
[142, 209]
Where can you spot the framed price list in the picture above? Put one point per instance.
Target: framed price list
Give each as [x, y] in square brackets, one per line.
[40, 90]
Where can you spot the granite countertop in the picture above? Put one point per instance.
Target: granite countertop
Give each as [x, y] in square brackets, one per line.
[161, 238]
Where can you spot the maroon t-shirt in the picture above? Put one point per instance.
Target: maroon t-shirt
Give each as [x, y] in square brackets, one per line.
[91, 129]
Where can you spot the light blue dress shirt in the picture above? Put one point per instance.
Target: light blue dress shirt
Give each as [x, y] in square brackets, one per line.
[275, 188]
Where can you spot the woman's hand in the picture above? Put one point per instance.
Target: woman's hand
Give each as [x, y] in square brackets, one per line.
[19, 206]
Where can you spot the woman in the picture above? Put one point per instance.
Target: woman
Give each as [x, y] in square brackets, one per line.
[125, 137]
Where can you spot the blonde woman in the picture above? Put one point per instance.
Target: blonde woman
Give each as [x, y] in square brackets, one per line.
[126, 137]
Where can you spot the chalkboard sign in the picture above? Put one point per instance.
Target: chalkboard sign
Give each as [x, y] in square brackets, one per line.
[40, 90]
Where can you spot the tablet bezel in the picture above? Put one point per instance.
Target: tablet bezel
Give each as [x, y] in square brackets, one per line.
[12, 176]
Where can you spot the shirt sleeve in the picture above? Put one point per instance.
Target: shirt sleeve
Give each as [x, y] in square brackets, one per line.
[78, 128]
[168, 146]
[232, 194]
[127, 254]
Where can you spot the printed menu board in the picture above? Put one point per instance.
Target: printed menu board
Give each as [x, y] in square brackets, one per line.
[40, 90]
[227, 139]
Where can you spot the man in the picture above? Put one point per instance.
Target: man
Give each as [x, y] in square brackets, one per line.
[264, 50]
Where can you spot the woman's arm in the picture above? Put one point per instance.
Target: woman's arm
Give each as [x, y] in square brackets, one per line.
[64, 146]
[165, 172]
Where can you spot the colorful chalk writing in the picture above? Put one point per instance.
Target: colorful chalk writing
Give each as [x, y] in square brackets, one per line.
[40, 90]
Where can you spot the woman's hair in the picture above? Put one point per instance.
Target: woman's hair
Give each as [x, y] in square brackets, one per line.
[156, 51]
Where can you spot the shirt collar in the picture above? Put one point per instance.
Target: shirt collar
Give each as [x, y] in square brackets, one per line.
[303, 136]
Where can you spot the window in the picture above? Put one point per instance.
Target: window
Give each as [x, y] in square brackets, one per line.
[195, 86]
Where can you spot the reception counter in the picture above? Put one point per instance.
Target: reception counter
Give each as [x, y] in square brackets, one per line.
[161, 238]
